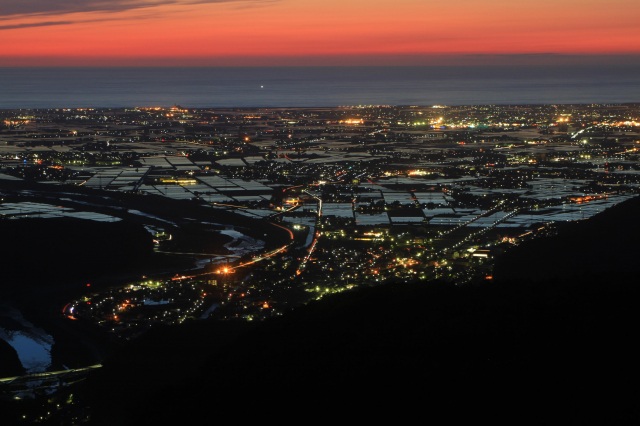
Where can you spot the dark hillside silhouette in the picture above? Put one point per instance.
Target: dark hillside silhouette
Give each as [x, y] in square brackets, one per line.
[45, 252]
[605, 246]
[530, 346]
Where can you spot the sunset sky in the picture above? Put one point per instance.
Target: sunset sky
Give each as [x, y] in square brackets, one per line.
[309, 32]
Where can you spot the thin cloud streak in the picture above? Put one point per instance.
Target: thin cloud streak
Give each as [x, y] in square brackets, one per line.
[12, 8]
[34, 24]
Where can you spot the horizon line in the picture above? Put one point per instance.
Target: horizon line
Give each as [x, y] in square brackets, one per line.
[453, 59]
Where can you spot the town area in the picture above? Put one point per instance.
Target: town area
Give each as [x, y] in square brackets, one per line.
[366, 194]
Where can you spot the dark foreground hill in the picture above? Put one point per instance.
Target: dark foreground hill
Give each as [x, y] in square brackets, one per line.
[46, 263]
[554, 346]
[45, 253]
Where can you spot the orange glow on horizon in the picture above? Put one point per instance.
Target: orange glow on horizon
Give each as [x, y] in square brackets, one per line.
[246, 32]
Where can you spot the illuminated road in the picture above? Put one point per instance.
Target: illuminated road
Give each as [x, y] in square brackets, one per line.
[228, 269]
[212, 255]
[47, 375]
[46, 380]
[316, 237]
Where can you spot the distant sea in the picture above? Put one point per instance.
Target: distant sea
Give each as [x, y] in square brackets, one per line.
[317, 86]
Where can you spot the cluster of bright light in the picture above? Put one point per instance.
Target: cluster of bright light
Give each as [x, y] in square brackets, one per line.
[352, 121]
[16, 122]
[181, 181]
